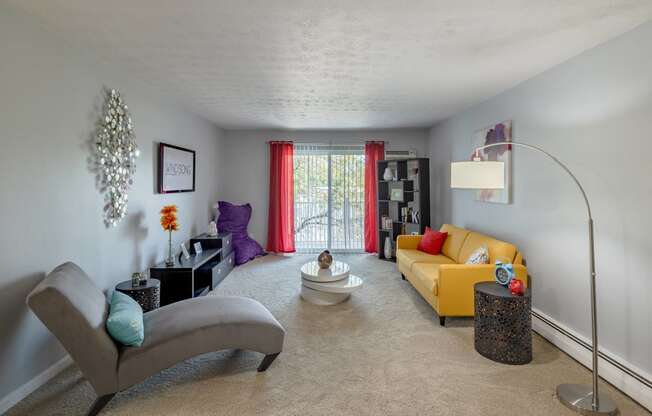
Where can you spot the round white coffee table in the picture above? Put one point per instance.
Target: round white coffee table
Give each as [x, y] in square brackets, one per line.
[327, 286]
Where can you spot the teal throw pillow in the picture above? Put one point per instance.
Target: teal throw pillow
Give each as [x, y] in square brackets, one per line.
[125, 321]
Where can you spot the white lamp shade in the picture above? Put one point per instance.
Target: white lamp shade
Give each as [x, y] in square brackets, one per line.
[478, 175]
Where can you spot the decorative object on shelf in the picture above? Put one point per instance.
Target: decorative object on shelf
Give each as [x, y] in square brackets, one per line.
[414, 172]
[479, 174]
[517, 287]
[176, 169]
[115, 155]
[143, 278]
[404, 214]
[135, 279]
[212, 229]
[184, 251]
[504, 273]
[396, 194]
[415, 216]
[198, 248]
[388, 175]
[501, 132]
[325, 259]
[388, 248]
[169, 224]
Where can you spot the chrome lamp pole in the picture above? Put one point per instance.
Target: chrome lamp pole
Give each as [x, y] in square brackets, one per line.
[479, 174]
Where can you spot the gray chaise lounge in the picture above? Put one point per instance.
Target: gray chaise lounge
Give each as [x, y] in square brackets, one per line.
[75, 310]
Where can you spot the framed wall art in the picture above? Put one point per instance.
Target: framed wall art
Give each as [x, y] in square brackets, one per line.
[176, 169]
[500, 132]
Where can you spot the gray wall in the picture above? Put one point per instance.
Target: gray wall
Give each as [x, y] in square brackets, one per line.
[246, 161]
[51, 211]
[595, 113]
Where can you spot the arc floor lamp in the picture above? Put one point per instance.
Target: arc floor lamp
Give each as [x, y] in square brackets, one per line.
[479, 174]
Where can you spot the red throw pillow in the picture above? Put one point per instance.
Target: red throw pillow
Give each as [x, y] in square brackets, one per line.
[432, 241]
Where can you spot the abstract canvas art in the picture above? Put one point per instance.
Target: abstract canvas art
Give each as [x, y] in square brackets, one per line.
[501, 132]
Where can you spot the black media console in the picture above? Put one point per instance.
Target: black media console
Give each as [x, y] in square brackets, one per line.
[199, 274]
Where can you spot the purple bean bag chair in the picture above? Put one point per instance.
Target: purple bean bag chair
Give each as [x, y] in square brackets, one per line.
[234, 219]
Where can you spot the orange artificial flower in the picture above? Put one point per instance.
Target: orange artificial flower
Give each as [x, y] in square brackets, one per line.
[169, 209]
[169, 218]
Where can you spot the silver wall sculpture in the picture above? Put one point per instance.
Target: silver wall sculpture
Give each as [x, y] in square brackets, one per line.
[115, 156]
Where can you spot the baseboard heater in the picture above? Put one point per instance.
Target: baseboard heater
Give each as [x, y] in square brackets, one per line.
[643, 380]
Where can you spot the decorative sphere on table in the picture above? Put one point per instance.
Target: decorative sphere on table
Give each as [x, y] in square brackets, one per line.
[325, 259]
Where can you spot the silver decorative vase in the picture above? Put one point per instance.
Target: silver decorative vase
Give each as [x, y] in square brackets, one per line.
[388, 248]
[169, 261]
[388, 175]
[325, 259]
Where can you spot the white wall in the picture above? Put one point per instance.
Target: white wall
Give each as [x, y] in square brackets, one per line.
[51, 211]
[246, 161]
[595, 113]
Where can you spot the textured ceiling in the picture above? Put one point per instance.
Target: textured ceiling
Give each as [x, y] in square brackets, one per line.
[335, 64]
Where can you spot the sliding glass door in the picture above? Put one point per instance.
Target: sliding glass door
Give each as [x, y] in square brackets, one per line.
[328, 197]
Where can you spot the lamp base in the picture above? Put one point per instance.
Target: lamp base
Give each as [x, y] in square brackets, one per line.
[579, 398]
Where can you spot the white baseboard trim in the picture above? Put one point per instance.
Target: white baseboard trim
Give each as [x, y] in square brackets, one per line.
[633, 381]
[26, 389]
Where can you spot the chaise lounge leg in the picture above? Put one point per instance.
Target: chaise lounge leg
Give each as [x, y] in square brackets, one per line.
[99, 404]
[442, 320]
[402, 276]
[267, 361]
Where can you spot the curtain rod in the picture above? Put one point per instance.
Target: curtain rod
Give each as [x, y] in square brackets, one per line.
[302, 141]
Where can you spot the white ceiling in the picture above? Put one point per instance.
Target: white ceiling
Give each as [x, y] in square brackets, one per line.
[336, 64]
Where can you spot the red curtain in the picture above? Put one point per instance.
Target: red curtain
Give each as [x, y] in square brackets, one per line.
[280, 229]
[373, 152]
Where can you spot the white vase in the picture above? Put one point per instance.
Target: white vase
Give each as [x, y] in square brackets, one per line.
[388, 175]
[388, 248]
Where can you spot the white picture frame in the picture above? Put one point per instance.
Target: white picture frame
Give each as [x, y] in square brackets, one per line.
[197, 247]
[184, 250]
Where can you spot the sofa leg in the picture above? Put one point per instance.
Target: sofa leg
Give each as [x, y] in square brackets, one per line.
[267, 361]
[99, 404]
[442, 320]
[402, 276]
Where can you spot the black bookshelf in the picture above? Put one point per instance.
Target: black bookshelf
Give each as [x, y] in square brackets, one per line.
[408, 191]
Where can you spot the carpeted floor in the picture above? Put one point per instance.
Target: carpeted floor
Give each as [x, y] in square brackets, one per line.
[380, 353]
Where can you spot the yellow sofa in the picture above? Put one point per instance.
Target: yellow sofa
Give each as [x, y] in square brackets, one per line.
[444, 280]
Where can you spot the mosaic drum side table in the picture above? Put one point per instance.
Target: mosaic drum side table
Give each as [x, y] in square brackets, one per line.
[148, 295]
[503, 324]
